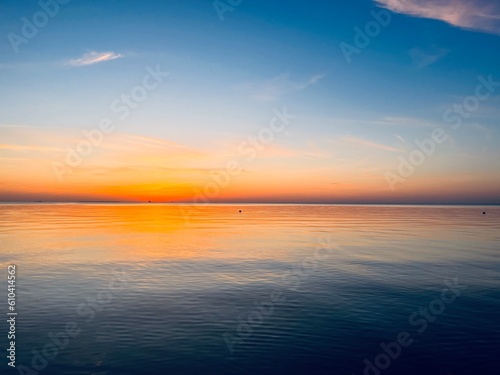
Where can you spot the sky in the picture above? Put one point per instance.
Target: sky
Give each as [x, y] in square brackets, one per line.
[366, 101]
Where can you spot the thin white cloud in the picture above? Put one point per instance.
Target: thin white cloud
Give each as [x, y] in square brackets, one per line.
[370, 144]
[91, 58]
[388, 121]
[400, 138]
[422, 58]
[403, 121]
[279, 86]
[479, 15]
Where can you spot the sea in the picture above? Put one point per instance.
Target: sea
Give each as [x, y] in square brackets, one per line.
[119, 289]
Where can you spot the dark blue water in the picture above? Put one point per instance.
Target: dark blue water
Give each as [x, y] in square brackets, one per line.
[160, 289]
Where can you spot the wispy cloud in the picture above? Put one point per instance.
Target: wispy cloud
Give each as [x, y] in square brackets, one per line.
[403, 121]
[138, 140]
[91, 58]
[29, 148]
[370, 144]
[423, 58]
[479, 15]
[279, 86]
[400, 139]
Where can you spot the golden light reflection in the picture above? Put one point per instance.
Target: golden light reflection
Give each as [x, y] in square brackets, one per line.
[73, 233]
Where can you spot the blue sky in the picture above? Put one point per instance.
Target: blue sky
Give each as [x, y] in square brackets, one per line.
[227, 76]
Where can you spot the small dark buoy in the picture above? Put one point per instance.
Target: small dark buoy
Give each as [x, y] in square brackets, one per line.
[240, 211]
[484, 213]
[149, 201]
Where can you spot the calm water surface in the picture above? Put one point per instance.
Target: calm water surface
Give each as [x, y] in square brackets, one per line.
[167, 289]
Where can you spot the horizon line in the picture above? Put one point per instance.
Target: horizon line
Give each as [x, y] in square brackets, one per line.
[257, 203]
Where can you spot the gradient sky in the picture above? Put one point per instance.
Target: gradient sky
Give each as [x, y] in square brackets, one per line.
[354, 121]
